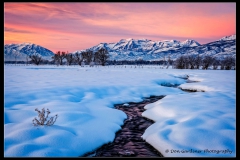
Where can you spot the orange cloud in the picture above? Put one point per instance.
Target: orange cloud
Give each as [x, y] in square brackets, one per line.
[76, 26]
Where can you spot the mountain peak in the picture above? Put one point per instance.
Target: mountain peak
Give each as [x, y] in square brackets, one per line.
[190, 43]
[27, 43]
[189, 40]
[129, 39]
[231, 37]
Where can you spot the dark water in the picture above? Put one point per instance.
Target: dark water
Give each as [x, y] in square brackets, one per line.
[128, 141]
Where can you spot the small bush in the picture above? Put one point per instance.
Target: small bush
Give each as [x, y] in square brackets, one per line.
[43, 118]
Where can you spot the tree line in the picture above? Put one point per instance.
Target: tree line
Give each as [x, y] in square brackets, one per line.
[81, 58]
[101, 57]
[195, 62]
[139, 62]
[86, 57]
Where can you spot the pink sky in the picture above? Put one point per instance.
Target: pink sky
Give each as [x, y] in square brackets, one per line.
[75, 26]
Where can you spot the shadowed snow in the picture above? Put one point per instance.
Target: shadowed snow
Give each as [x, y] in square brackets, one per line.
[84, 98]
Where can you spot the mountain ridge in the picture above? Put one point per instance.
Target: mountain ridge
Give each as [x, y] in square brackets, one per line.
[135, 49]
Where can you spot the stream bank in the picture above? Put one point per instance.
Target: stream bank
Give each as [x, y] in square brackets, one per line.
[128, 141]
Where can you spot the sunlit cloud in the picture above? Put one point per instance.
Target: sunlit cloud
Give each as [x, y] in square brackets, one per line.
[82, 25]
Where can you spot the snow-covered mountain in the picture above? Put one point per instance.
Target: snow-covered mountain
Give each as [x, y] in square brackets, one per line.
[232, 37]
[144, 45]
[134, 49]
[21, 51]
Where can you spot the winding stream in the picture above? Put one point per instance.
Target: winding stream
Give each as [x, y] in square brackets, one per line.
[128, 141]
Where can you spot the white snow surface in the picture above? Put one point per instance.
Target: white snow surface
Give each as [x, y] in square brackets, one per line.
[198, 124]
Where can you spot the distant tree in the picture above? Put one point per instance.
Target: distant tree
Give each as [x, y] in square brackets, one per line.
[164, 61]
[70, 58]
[228, 63]
[101, 55]
[36, 59]
[191, 60]
[88, 56]
[114, 62]
[58, 57]
[179, 63]
[79, 58]
[197, 62]
[222, 63]
[186, 62]
[215, 63]
[231, 63]
[168, 62]
[207, 61]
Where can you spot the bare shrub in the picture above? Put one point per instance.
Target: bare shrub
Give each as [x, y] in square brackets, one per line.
[43, 118]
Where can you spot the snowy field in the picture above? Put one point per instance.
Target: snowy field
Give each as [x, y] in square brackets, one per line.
[197, 124]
